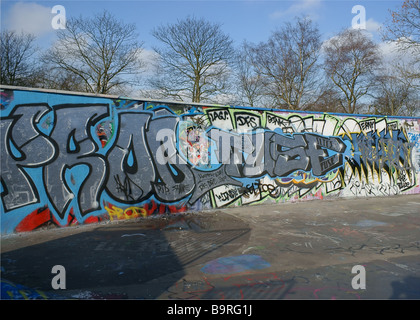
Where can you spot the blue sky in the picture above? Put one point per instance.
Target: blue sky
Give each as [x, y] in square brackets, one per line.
[250, 20]
[253, 20]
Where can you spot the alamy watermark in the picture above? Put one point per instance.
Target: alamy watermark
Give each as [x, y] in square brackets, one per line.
[359, 20]
[59, 20]
[58, 281]
[358, 281]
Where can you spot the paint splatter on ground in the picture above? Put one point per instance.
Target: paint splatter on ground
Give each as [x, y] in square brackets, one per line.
[236, 264]
[370, 223]
[13, 291]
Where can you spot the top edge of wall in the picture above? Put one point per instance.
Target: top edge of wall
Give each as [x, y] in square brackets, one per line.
[107, 96]
[172, 102]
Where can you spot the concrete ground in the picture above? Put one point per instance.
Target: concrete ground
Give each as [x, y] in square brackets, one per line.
[302, 250]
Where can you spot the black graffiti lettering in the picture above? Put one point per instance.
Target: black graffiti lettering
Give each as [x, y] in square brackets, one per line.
[162, 189]
[324, 142]
[246, 121]
[257, 188]
[275, 120]
[218, 115]
[228, 195]
[329, 163]
[402, 181]
[367, 125]
[363, 188]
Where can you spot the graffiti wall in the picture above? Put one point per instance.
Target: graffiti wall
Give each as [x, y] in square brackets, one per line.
[69, 159]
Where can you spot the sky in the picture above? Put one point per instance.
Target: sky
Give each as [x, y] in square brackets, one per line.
[250, 20]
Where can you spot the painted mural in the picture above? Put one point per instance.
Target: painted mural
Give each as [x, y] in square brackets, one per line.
[71, 159]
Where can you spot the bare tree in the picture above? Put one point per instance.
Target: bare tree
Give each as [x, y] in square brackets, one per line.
[60, 79]
[327, 100]
[397, 93]
[404, 30]
[350, 61]
[249, 83]
[17, 66]
[102, 52]
[404, 27]
[287, 62]
[194, 60]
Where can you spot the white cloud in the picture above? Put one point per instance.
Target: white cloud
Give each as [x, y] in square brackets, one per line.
[29, 18]
[372, 25]
[306, 7]
[392, 53]
[150, 61]
[388, 50]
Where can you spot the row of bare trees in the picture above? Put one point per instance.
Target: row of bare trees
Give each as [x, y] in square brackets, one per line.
[96, 55]
[196, 61]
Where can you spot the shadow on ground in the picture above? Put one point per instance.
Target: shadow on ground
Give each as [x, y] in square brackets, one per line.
[120, 255]
[408, 288]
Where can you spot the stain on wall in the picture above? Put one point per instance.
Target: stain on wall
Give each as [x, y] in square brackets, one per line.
[71, 159]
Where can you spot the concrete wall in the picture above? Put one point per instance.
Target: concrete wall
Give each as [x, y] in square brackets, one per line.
[69, 159]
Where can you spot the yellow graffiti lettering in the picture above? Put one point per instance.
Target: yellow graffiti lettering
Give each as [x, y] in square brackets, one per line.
[116, 213]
